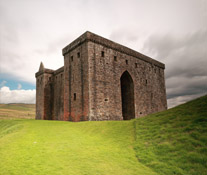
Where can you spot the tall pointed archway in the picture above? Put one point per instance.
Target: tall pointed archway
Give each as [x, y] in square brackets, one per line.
[127, 96]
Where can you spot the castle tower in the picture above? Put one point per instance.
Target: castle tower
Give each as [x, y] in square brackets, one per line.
[76, 83]
[44, 93]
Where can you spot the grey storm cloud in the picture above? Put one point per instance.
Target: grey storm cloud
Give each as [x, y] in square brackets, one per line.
[186, 62]
[185, 55]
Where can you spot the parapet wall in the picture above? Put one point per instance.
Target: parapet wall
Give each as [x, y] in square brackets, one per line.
[88, 36]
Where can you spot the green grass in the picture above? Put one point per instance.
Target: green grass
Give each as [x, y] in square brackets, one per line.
[173, 142]
[54, 147]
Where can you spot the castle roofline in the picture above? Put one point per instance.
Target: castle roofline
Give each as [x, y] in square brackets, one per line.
[47, 71]
[61, 69]
[89, 36]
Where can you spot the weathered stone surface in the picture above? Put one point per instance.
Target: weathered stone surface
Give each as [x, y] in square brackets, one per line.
[100, 80]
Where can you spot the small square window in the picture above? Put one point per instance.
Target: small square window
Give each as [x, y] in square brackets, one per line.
[78, 54]
[102, 53]
[115, 58]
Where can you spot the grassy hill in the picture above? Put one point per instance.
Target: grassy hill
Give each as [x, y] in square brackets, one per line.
[169, 142]
[17, 111]
[174, 141]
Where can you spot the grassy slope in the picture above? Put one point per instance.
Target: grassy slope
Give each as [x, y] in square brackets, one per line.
[55, 147]
[174, 141]
[169, 142]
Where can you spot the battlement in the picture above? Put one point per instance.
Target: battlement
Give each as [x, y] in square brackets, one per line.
[88, 36]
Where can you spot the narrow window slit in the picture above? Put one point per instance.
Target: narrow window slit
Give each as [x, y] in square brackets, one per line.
[102, 53]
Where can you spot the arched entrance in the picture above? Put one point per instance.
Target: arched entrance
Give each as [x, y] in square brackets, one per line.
[127, 96]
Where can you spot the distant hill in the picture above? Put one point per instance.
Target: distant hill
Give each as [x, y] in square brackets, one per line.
[172, 142]
[17, 111]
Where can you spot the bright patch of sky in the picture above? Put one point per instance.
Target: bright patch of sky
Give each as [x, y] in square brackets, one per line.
[16, 84]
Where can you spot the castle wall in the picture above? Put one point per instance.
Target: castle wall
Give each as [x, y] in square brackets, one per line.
[40, 97]
[48, 97]
[44, 95]
[104, 93]
[76, 84]
[58, 102]
[105, 89]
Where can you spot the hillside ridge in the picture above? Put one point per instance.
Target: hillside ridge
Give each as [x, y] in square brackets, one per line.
[174, 141]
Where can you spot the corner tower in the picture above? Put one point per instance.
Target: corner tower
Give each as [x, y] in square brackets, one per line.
[76, 80]
[44, 93]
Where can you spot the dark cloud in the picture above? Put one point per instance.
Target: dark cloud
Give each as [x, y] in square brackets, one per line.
[178, 86]
[183, 55]
[186, 61]
[182, 99]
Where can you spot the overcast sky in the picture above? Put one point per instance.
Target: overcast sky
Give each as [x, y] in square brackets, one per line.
[171, 31]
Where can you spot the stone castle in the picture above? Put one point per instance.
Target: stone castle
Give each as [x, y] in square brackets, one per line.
[100, 80]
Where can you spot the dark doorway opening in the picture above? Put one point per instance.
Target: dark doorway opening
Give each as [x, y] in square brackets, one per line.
[127, 96]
